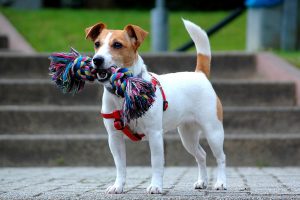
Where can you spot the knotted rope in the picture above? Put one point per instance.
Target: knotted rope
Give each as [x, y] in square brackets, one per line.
[70, 71]
[139, 94]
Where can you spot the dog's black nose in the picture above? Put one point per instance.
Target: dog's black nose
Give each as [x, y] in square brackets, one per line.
[98, 61]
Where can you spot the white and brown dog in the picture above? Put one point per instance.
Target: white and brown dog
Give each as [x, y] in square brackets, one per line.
[194, 107]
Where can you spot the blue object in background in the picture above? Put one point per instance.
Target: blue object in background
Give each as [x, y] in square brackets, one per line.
[262, 3]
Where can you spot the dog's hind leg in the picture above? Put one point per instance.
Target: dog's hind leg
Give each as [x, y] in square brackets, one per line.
[190, 135]
[214, 133]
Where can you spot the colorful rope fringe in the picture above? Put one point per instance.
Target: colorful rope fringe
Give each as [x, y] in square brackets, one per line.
[70, 71]
[139, 94]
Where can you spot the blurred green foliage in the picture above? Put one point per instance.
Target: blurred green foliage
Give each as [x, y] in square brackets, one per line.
[58, 29]
[50, 30]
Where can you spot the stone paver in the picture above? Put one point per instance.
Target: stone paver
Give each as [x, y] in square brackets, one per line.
[91, 182]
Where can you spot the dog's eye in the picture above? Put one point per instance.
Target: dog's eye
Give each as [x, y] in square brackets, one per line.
[117, 45]
[97, 45]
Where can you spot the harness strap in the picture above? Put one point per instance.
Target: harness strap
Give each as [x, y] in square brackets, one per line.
[114, 115]
[118, 124]
[155, 83]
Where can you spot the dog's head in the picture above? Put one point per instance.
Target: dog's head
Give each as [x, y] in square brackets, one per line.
[114, 48]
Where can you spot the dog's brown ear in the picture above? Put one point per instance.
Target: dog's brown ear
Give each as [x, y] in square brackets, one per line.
[93, 31]
[137, 33]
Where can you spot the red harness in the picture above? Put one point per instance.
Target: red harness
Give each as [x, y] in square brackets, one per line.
[118, 124]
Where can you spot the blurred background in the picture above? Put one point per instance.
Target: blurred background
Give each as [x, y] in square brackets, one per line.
[47, 24]
[255, 72]
[58, 33]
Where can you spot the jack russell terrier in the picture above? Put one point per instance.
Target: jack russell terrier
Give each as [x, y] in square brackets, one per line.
[194, 108]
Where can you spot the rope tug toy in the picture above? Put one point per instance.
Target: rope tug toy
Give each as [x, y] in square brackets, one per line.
[70, 71]
[139, 94]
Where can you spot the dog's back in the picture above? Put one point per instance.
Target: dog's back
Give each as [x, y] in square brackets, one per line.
[201, 41]
[193, 89]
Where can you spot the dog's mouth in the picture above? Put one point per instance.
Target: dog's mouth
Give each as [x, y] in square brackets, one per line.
[104, 74]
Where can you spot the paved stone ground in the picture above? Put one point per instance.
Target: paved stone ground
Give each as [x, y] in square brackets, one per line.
[90, 183]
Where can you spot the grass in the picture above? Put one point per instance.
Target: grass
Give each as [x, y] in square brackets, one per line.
[292, 57]
[56, 30]
[50, 30]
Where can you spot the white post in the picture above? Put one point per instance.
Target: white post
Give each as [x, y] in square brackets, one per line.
[264, 28]
[159, 27]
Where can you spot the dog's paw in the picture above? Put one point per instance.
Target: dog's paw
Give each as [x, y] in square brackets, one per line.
[220, 186]
[114, 189]
[153, 189]
[200, 184]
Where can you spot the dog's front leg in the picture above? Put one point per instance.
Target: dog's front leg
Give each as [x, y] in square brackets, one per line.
[117, 148]
[157, 162]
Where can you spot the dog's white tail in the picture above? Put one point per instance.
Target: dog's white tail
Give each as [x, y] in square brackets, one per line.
[201, 41]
